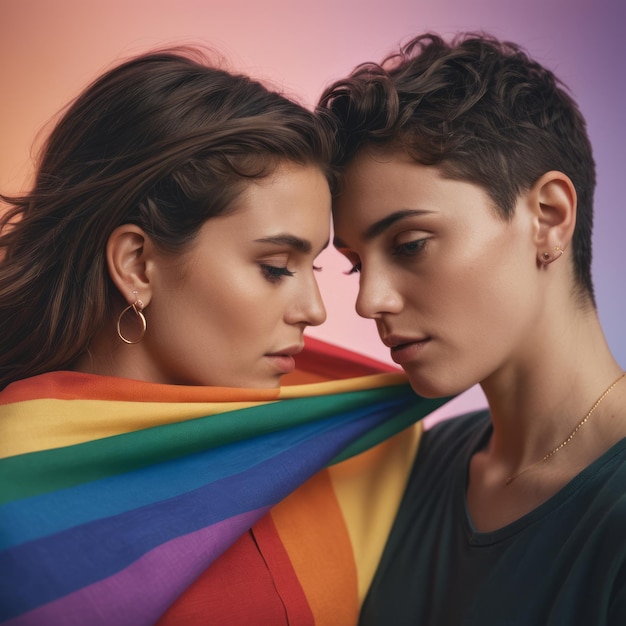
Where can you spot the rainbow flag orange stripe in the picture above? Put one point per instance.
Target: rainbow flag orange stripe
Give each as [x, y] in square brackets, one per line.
[116, 496]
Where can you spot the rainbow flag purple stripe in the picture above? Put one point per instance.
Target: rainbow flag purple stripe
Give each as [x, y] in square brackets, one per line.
[90, 523]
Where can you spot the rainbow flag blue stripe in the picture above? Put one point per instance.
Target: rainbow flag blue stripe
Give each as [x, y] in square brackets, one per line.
[90, 521]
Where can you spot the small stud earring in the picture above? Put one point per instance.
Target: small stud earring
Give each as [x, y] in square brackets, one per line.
[547, 258]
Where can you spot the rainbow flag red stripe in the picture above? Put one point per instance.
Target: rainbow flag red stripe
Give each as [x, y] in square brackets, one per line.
[117, 495]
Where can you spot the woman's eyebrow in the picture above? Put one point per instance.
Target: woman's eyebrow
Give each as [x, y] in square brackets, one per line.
[379, 227]
[297, 243]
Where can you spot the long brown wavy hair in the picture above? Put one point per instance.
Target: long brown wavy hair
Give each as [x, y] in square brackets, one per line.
[164, 141]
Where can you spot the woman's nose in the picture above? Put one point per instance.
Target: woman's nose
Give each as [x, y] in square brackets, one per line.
[377, 294]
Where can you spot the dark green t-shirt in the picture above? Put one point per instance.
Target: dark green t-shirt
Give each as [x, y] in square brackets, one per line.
[562, 564]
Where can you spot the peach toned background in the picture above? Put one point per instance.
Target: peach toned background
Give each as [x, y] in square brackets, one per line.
[50, 49]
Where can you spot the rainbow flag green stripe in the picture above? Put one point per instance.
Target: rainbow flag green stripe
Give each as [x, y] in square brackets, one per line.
[87, 529]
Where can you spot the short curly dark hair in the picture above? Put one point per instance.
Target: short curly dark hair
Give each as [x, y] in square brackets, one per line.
[480, 109]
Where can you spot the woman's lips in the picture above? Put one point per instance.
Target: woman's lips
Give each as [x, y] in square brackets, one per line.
[284, 363]
[283, 360]
[408, 351]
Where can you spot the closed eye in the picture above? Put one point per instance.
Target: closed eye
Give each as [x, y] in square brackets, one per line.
[274, 273]
[410, 248]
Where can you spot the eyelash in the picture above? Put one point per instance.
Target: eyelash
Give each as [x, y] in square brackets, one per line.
[274, 273]
[408, 249]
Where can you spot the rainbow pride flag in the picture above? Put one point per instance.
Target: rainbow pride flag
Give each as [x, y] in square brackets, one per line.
[116, 495]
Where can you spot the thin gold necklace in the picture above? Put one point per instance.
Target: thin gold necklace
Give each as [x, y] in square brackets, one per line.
[606, 392]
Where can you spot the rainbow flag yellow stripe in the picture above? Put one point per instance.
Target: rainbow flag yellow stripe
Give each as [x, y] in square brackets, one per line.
[105, 483]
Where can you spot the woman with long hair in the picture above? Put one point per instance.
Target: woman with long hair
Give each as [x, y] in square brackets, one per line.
[155, 285]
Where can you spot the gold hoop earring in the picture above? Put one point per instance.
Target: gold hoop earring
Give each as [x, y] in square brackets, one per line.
[137, 307]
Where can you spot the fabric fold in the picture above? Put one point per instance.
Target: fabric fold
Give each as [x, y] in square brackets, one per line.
[89, 523]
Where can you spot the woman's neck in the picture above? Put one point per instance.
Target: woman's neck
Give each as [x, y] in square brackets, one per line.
[537, 401]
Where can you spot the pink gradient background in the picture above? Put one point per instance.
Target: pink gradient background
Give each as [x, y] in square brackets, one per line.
[50, 50]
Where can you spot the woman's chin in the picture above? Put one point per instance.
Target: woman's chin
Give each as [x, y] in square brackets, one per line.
[432, 389]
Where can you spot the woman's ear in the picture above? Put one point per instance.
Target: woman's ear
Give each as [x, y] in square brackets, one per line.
[129, 254]
[554, 204]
